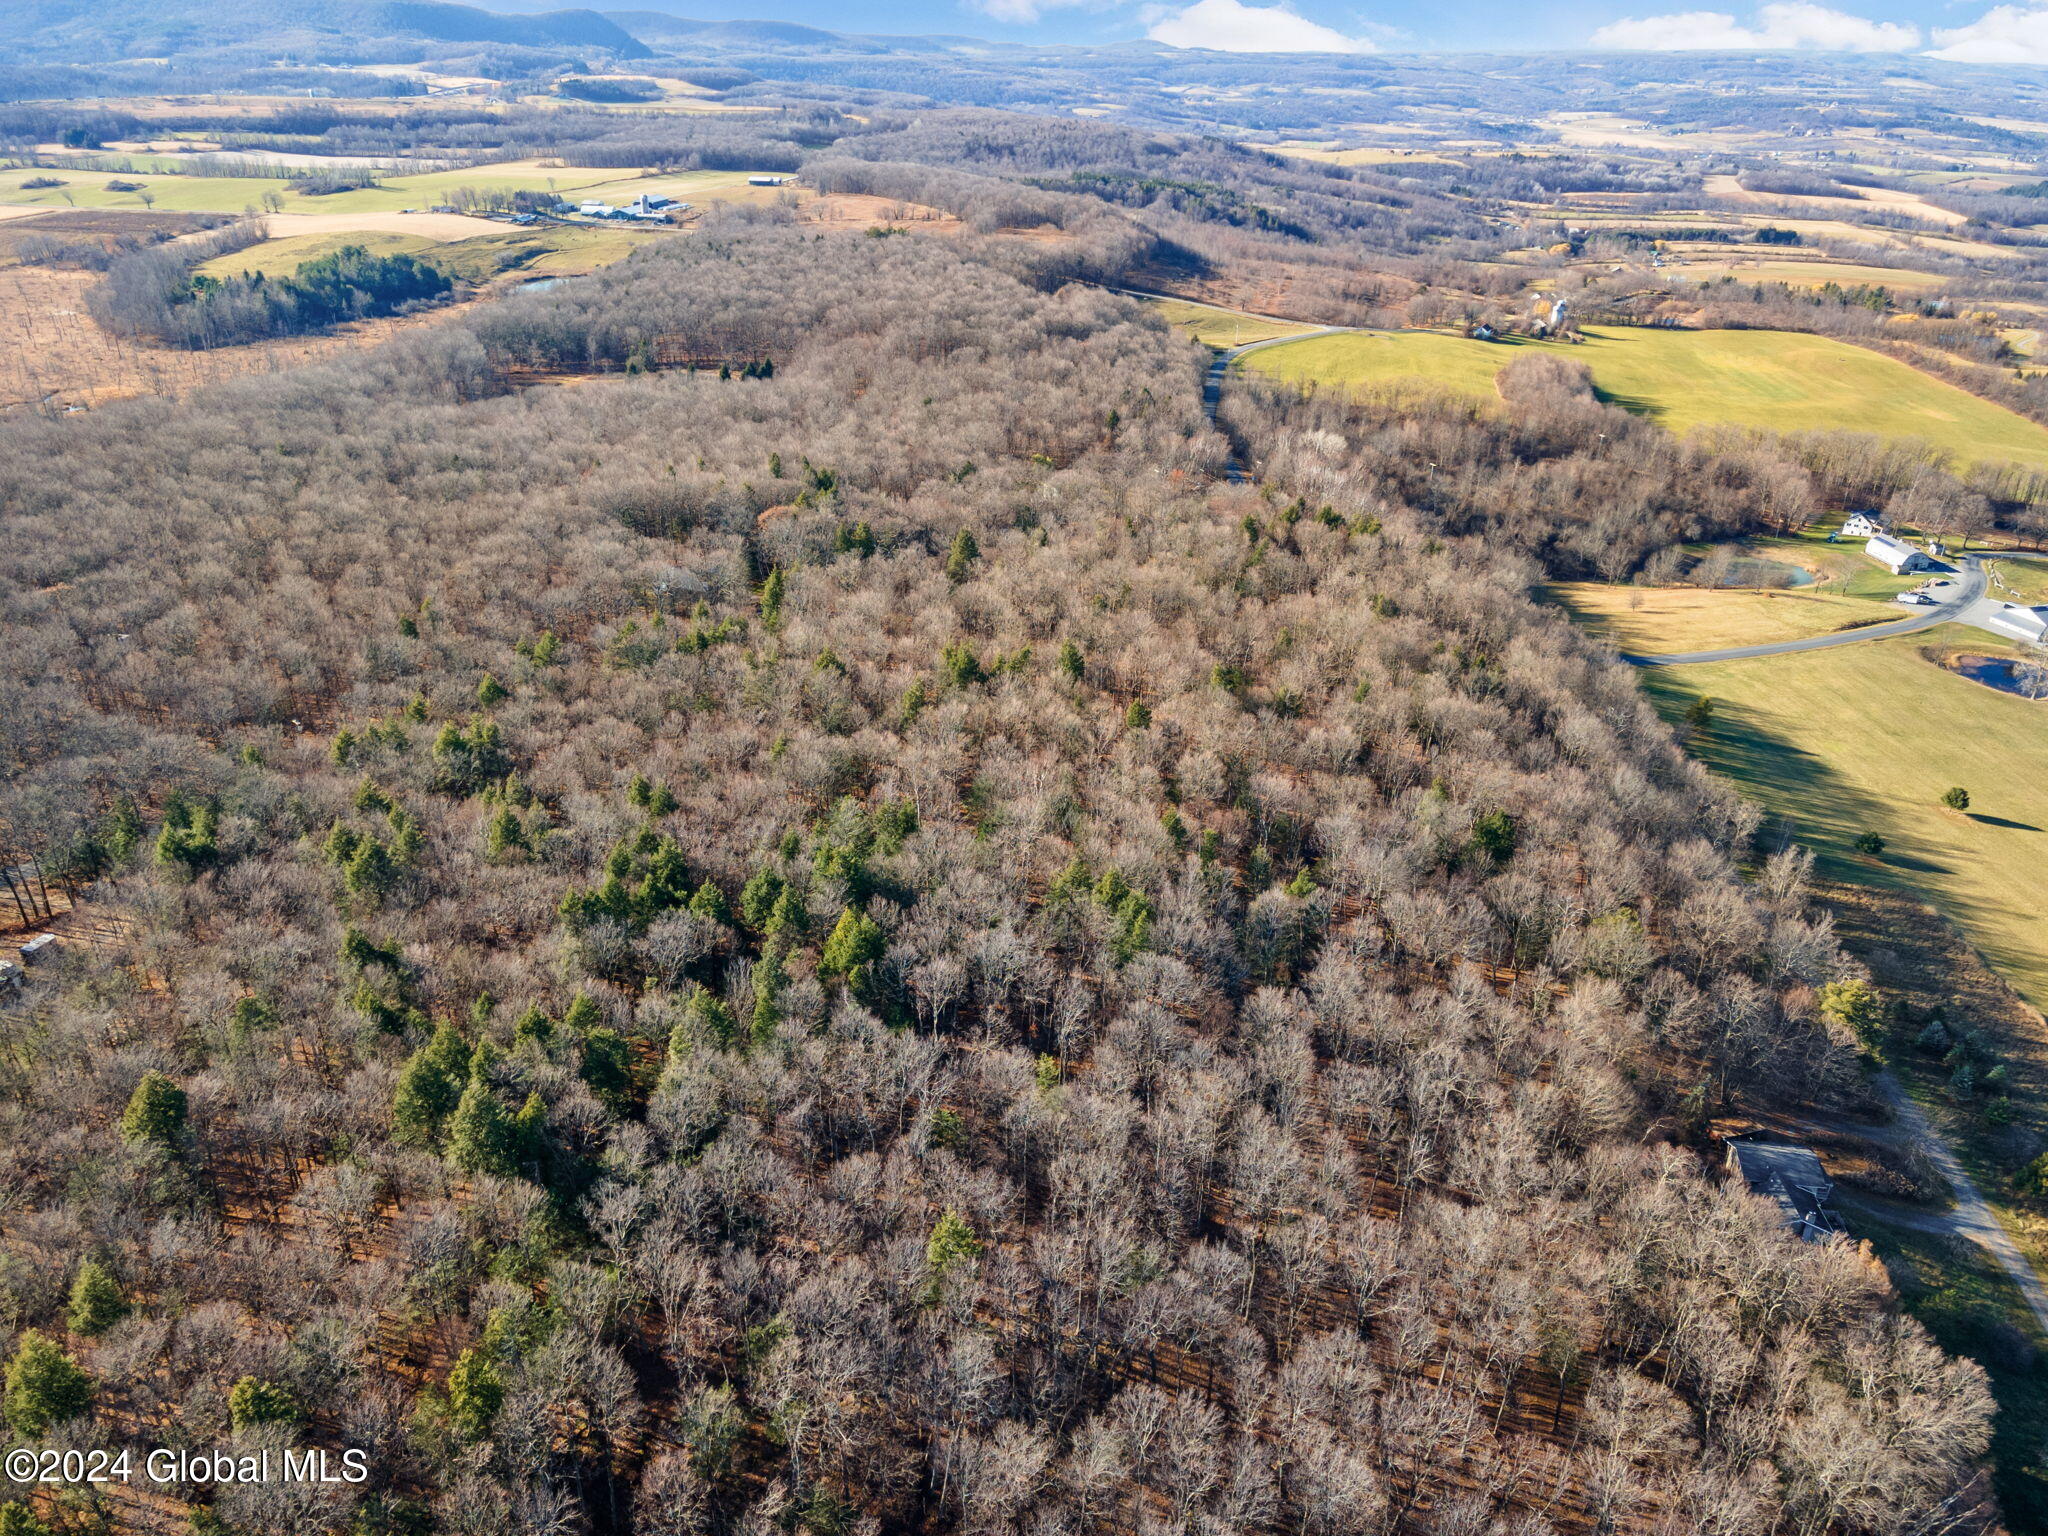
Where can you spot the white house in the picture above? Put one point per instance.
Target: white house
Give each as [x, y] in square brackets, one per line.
[766, 181]
[2029, 624]
[1896, 554]
[1862, 525]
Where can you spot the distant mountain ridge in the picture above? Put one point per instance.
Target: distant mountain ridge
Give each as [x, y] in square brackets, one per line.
[78, 30]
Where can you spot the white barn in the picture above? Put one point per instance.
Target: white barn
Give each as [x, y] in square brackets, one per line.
[2029, 624]
[1896, 555]
[1862, 525]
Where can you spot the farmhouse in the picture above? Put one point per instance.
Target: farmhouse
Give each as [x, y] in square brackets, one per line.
[1792, 1177]
[2029, 624]
[1862, 525]
[1896, 554]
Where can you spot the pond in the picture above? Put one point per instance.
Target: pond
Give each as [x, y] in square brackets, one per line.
[2028, 680]
[540, 284]
[1753, 571]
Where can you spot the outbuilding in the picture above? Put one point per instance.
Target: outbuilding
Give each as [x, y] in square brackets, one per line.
[2023, 623]
[1862, 525]
[1896, 555]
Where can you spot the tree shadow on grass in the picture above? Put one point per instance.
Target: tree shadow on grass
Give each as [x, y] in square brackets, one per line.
[1821, 807]
[2000, 821]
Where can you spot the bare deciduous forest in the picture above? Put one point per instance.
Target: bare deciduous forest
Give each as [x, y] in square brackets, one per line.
[853, 939]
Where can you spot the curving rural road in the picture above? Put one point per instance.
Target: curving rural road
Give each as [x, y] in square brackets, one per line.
[1970, 589]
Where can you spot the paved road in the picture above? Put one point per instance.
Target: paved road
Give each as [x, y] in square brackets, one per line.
[1968, 593]
[1220, 366]
[1972, 1218]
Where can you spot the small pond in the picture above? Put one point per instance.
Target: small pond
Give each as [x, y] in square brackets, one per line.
[2029, 680]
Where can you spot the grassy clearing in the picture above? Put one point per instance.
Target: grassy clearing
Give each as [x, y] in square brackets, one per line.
[1780, 381]
[554, 249]
[1649, 620]
[1866, 738]
[1806, 274]
[1972, 1309]
[233, 194]
[1216, 327]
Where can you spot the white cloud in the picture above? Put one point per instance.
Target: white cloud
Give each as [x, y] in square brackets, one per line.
[2005, 34]
[1230, 26]
[1789, 24]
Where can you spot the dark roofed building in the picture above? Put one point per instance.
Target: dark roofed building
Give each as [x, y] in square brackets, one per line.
[1794, 1178]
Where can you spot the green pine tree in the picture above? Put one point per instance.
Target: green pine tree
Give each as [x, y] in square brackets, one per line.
[475, 1394]
[951, 1244]
[490, 692]
[44, 1387]
[1071, 663]
[95, 1304]
[856, 940]
[252, 1402]
[17, 1519]
[427, 1094]
[155, 1114]
[961, 557]
[480, 1133]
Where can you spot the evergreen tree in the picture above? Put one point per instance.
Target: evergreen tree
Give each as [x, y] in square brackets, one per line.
[758, 897]
[1071, 664]
[155, 1114]
[480, 1133]
[582, 1015]
[530, 1136]
[1138, 716]
[710, 902]
[427, 1094]
[44, 1387]
[961, 557]
[252, 1402]
[17, 1519]
[951, 1245]
[123, 833]
[475, 1394]
[771, 598]
[370, 875]
[856, 940]
[490, 693]
[607, 1067]
[1855, 1005]
[95, 1303]
[504, 836]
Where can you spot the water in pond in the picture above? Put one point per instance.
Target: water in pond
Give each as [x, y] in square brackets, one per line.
[1752, 571]
[2027, 679]
[538, 284]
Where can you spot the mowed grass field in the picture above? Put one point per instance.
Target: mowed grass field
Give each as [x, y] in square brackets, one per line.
[1866, 738]
[233, 194]
[1805, 274]
[552, 249]
[1779, 381]
[1654, 620]
[1213, 326]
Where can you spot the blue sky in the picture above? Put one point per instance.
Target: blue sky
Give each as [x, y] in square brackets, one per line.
[1969, 31]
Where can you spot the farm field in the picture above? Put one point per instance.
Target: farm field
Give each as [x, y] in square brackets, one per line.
[1214, 326]
[552, 249]
[52, 354]
[1779, 381]
[233, 194]
[1651, 620]
[2019, 581]
[1803, 274]
[1866, 738]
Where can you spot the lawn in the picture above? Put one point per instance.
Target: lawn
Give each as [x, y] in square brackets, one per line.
[1217, 327]
[1865, 738]
[234, 194]
[2019, 581]
[1649, 620]
[1971, 1308]
[1780, 381]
